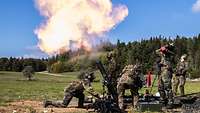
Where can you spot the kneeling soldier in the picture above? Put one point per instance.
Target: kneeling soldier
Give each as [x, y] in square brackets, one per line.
[75, 89]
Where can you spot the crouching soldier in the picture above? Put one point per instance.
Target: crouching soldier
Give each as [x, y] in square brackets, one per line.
[180, 75]
[130, 79]
[75, 89]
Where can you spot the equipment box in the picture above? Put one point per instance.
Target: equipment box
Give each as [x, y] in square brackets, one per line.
[154, 106]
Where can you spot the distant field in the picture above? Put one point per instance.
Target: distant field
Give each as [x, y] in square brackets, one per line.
[14, 87]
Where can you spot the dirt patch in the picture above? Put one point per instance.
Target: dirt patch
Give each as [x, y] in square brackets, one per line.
[28, 106]
[53, 74]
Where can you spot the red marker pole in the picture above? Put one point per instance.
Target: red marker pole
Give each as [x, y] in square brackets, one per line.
[149, 79]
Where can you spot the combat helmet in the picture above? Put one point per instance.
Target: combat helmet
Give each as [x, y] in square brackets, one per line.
[170, 46]
[137, 68]
[110, 55]
[183, 57]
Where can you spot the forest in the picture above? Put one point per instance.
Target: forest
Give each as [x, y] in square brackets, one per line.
[131, 52]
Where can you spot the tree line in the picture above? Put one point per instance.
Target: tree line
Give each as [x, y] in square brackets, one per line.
[142, 52]
[18, 64]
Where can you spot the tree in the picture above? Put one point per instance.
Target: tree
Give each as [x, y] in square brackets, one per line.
[28, 72]
[57, 67]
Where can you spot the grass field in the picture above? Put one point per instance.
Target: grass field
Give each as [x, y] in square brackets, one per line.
[14, 87]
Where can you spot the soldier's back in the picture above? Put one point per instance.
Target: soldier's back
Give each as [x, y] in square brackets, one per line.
[127, 75]
[75, 86]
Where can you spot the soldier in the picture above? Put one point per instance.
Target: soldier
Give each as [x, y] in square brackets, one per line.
[75, 89]
[180, 75]
[112, 66]
[164, 82]
[112, 73]
[130, 79]
[90, 76]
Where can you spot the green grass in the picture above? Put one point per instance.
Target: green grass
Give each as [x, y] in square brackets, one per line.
[14, 87]
[190, 87]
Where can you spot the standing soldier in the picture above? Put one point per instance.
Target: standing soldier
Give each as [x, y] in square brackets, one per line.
[130, 79]
[112, 66]
[75, 89]
[164, 82]
[112, 72]
[180, 75]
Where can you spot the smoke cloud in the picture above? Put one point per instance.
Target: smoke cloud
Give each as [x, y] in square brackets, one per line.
[77, 21]
[196, 6]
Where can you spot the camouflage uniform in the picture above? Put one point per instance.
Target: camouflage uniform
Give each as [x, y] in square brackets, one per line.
[90, 77]
[112, 72]
[130, 79]
[180, 76]
[112, 66]
[75, 89]
[164, 80]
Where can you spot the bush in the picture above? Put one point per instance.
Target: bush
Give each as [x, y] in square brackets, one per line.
[193, 73]
[68, 67]
[57, 67]
[77, 66]
[28, 72]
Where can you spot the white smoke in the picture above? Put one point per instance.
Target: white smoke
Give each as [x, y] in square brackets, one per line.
[196, 6]
[75, 20]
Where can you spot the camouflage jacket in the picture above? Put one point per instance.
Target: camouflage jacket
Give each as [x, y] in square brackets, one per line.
[128, 76]
[75, 87]
[182, 68]
[112, 67]
[165, 60]
[165, 54]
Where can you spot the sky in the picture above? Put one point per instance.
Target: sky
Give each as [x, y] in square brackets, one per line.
[146, 18]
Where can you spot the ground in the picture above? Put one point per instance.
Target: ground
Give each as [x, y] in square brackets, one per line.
[30, 106]
[18, 95]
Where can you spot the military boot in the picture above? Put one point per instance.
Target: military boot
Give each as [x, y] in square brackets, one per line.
[135, 101]
[181, 91]
[163, 99]
[46, 103]
[170, 104]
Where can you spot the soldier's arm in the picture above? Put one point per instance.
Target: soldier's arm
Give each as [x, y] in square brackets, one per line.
[69, 87]
[170, 52]
[113, 65]
[91, 91]
[123, 71]
[158, 51]
[140, 81]
[186, 67]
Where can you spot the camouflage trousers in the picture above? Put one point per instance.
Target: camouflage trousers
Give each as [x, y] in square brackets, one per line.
[178, 81]
[165, 89]
[121, 87]
[67, 98]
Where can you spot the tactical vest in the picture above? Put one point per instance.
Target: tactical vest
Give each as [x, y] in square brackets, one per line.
[75, 87]
[128, 75]
[181, 68]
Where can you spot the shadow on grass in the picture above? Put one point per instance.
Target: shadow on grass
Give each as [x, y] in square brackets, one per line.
[1, 73]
